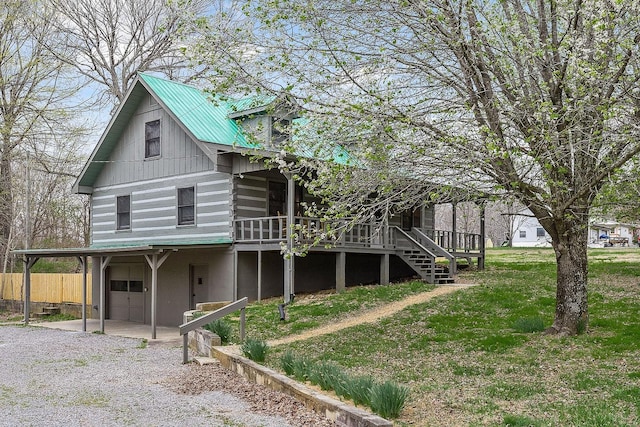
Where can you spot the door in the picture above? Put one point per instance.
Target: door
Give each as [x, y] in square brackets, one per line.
[126, 293]
[411, 218]
[199, 289]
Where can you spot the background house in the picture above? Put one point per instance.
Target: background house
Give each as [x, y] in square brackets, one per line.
[528, 232]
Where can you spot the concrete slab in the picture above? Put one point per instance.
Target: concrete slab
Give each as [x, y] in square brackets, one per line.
[164, 334]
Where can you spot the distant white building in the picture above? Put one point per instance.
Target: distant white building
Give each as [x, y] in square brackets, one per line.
[527, 232]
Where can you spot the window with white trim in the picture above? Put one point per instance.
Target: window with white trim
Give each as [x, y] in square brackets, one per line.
[123, 212]
[152, 139]
[186, 206]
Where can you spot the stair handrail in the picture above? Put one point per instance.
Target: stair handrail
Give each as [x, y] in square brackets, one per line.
[185, 328]
[413, 241]
[417, 245]
[439, 250]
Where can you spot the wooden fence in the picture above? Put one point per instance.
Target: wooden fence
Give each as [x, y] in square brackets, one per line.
[45, 287]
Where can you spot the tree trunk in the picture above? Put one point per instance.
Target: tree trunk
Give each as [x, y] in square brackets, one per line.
[572, 314]
[6, 205]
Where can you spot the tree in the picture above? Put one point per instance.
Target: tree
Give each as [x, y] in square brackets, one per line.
[110, 41]
[539, 100]
[36, 108]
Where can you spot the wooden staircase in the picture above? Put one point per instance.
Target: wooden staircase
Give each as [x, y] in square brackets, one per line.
[421, 259]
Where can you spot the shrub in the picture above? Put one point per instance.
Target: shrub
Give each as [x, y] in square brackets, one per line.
[387, 399]
[255, 349]
[529, 324]
[301, 367]
[221, 328]
[360, 389]
[325, 375]
[286, 362]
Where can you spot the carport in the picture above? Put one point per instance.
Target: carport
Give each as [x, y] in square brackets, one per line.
[154, 255]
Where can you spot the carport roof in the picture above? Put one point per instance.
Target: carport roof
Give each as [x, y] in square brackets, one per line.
[90, 251]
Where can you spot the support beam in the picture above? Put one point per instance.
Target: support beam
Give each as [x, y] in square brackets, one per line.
[454, 228]
[483, 237]
[341, 269]
[235, 275]
[155, 263]
[384, 269]
[28, 263]
[83, 261]
[289, 262]
[104, 263]
[259, 275]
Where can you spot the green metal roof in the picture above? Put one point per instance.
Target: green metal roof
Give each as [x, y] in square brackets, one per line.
[207, 119]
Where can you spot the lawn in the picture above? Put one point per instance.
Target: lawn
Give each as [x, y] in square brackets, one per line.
[461, 357]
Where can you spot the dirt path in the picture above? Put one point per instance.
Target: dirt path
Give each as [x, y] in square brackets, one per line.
[370, 316]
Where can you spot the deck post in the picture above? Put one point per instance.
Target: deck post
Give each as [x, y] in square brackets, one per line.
[259, 275]
[289, 261]
[384, 269]
[454, 228]
[482, 236]
[341, 268]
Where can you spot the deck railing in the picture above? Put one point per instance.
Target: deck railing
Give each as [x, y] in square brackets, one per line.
[274, 229]
[455, 242]
[372, 235]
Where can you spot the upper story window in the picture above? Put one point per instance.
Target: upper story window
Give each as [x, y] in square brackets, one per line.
[186, 206]
[123, 212]
[280, 130]
[152, 139]
[540, 232]
[523, 234]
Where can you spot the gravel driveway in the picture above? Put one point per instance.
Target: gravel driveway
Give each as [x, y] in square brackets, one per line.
[60, 378]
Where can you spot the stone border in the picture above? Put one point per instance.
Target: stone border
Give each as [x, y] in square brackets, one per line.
[335, 410]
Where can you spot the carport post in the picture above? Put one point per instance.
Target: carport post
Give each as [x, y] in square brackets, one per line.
[155, 263]
[104, 263]
[28, 263]
[83, 260]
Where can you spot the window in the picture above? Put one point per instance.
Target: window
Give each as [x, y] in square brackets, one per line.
[152, 139]
[280, 130]
[540, 232]
[523, 234]
[123, 209]
[186, 206]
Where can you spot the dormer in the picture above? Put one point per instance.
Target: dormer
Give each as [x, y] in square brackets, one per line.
[266, 120]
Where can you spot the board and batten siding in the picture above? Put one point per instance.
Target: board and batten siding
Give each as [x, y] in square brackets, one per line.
[154, 211]
[179, 155]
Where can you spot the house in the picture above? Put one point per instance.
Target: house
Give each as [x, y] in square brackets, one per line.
[180, 214]
[527, 231]
[611, 233]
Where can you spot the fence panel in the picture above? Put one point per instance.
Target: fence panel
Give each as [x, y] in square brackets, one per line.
[46, 287]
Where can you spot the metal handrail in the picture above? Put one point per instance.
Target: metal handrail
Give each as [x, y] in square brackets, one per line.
[185, 328]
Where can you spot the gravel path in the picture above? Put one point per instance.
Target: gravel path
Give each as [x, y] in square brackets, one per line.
[59, 378]
[371, 316]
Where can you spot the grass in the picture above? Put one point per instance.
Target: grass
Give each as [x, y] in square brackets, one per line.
[311, 311]
[460, 357]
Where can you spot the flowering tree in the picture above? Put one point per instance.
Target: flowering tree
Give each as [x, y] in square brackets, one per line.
[540, 100]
